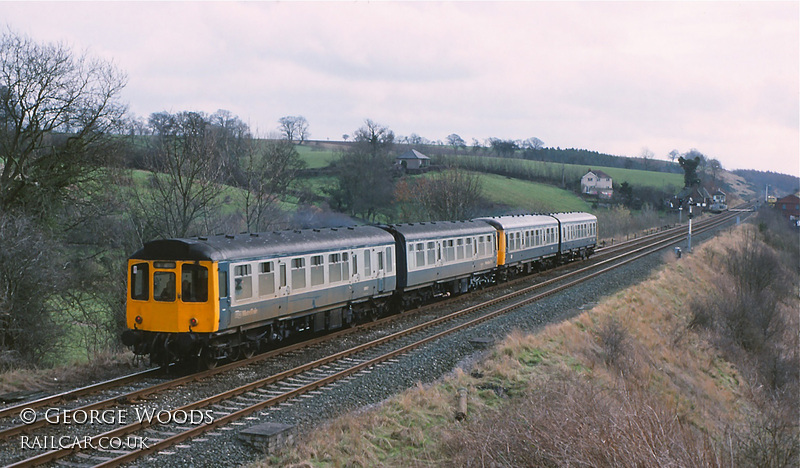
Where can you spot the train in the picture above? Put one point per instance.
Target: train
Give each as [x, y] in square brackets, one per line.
[210, 299]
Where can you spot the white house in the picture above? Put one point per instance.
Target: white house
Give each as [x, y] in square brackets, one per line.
[597, 183]
[413, 159]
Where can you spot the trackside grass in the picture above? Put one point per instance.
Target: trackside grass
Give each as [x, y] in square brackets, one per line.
[629, 383]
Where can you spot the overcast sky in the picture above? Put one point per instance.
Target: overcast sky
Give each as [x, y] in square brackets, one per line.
[610, 77]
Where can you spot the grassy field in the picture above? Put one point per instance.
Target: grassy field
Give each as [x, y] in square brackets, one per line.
[315, 158]
[532, 170]
[530, 196]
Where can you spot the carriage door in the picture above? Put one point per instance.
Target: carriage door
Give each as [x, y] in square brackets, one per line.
[380, 270]
[283, 290]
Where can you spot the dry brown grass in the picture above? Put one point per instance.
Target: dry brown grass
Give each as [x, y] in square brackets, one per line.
[103, 366]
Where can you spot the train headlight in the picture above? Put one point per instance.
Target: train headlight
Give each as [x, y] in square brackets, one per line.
[138, 319]
[193, 322]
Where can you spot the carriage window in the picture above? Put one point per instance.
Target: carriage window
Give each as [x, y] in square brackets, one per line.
[380, 260]
[367, 263]
[194, 283]
[223, 284]
[140, 282]
[420, 254]
[449, 251]
[298, 273]
[431, 253]
[266, 279]
[460, 249]
[242, 282]
[317, 270]
[334, 268]
[164, 286]
[388, 259]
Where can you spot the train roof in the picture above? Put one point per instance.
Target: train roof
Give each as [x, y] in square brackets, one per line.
[520, 221]
[576, 217]
[438, 229]
[263, 244]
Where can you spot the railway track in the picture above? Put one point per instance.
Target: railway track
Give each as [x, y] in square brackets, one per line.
[223, 409]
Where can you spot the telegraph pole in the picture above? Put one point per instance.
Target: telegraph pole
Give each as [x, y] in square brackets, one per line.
[690, 225]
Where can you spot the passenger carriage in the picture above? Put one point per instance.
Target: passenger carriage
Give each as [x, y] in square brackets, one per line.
[186, 294]
[578, 235]
[443, 257]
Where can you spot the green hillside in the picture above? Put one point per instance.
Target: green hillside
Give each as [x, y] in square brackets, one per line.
[530, 196]
[314, 157]
[570, 173]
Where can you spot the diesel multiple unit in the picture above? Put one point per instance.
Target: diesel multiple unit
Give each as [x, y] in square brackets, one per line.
[222, 297]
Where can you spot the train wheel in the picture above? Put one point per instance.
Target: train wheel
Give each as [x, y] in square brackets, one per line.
[206, 360]
[248, 350]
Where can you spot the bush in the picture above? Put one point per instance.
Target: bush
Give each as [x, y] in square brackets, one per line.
[569, 422]
[613, 341]
[29, 278]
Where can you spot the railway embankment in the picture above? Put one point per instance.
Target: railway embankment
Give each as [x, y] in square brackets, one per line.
[695, 366]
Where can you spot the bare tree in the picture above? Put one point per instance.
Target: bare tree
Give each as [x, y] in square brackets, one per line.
[233, 138]
[364, 184]
[532, 143]
[183, 192]
[269, 170]
[716, 167]
[674, 155]
[647, 157]
[56, 111]
[30, 278]
[503, 148]
[415, 139]
[294, 127]
[456, 142]
[448, 195]
[377, 138]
